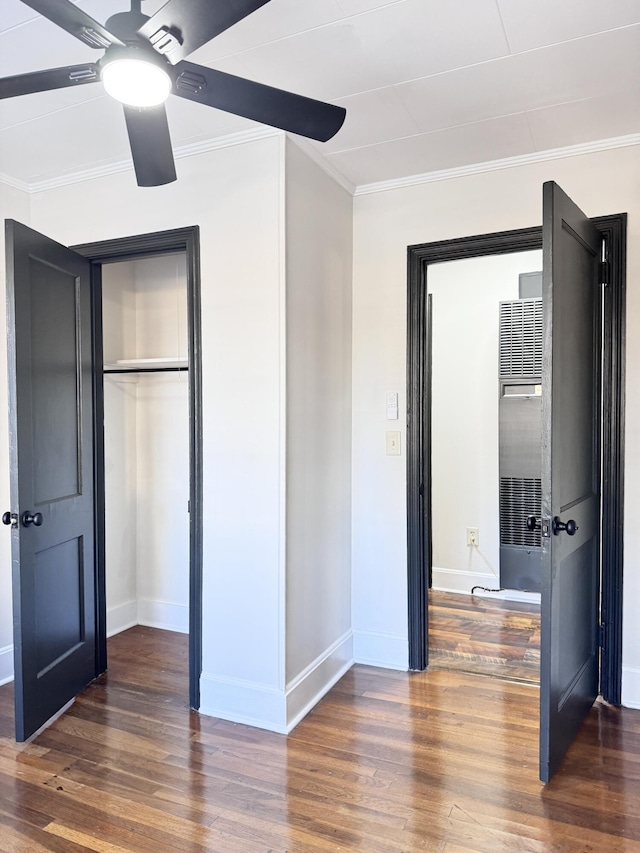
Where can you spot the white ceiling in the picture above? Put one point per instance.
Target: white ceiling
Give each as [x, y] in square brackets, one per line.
[428, 85]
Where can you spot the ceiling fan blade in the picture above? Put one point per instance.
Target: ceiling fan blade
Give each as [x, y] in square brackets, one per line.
[182, 26]
[246, 98]
[67, 15]
[53, 78]
[150, 142]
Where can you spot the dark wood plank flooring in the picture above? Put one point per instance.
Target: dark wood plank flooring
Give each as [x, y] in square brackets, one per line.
[388, 762]
[486, 636]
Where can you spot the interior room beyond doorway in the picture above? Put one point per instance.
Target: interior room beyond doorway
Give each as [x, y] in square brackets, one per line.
[471, 632]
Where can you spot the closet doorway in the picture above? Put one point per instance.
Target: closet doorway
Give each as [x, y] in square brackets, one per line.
[148, 438]
[146, 443]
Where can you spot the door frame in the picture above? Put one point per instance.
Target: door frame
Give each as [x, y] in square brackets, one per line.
[419, 534]
[185, 240]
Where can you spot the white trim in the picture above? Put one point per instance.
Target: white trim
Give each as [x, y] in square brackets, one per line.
[282, 411]
[228, 141]
[6, 665]
[631, 686]
[456, 580]
[305, 690]
[163, 615]
[179, 152]
[246, 702]
[8, 181]
[377, 648]
[497, 165]
[122, 617]
[243, 137]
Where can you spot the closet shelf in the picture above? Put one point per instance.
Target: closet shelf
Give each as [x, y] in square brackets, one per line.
[147, 365]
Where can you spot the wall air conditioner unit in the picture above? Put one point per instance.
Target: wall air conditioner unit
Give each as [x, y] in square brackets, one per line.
[520, 403]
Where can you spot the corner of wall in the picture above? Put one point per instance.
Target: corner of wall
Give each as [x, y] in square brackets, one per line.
[246, 702]
[305, 691]
[377, 648]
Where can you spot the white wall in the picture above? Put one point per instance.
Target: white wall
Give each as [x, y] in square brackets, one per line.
[118, 311]
[234, 195]
[120, 394]
[121, 519]
[384, 224]
[146, 446]
[161, 306]
[14, 204]
[464, 413]
[237, 197]
[319, 645]
[162, 558]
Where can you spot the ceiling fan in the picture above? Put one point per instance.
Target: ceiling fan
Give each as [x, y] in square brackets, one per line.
[144, 62]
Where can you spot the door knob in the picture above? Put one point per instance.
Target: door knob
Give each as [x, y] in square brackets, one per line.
[533, 523]
[31, 518]
[10, 518]
[558, 526]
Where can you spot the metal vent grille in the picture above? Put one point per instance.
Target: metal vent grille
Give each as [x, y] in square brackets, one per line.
[519, 497]
[521, 338]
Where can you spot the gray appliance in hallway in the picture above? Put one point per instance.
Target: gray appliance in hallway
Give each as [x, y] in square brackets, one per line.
[520, 401]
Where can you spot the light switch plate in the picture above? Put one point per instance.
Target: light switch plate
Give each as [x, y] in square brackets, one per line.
[393, 442]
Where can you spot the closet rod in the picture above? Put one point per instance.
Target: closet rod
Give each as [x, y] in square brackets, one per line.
[146, 369]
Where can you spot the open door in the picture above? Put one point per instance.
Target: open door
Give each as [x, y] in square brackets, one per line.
[49, 332]
[570, 475]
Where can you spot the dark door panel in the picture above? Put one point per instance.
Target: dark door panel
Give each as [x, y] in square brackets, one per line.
[570, 475]
[52, 490]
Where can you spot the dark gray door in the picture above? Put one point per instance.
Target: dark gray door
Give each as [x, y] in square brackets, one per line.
[570, 475]
[51, 449]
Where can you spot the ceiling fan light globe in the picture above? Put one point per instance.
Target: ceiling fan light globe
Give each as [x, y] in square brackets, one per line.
[136, 82]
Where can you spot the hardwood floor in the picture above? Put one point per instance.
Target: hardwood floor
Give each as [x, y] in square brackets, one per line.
[388, 762]
[486, 636]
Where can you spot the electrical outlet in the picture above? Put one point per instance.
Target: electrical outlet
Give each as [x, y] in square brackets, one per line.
[473, 537]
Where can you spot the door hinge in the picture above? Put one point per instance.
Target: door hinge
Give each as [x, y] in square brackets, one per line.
[421, 490]
[603, 273]
[601, 635]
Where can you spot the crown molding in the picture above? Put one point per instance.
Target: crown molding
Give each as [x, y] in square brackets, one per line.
[244, 137]
[228, 141]
[179, 152]
[8, 181]
[498, 165]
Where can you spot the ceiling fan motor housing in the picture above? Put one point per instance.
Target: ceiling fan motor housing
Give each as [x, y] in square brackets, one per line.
[125, 26]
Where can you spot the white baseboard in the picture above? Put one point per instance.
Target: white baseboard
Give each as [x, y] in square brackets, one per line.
[254, 704]
[246, 702]
[390, 651]
[6, 665]
[122, 617]
[305, 690]
[456, 580]
[631, 687]
[162, 614]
